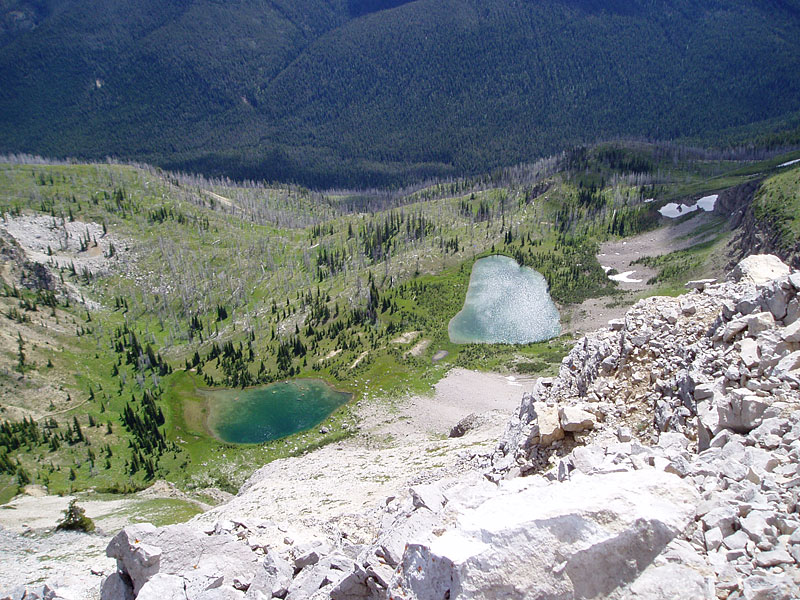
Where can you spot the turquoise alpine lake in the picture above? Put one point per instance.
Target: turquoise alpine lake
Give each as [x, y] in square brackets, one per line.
[505, 304]
[261, 414]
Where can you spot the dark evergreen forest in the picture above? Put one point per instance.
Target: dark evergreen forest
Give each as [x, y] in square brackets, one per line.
[364, 93]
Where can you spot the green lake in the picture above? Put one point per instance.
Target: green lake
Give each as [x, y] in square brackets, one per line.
[505, 304]
[260, 414]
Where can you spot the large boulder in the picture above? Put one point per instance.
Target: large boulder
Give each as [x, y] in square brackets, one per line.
[740, 411]
[671, 581]
[468, 423]
[584, 538]
[116, 587]
[791, 333]
[549, 424]
[760, 269]
[408, 527]
[788, 364]
[163, 587]
[137, 560]
[272, 579]
[202, 562]
[574, 419]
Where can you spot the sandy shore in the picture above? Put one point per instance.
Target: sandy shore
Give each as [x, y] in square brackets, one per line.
[460, 393]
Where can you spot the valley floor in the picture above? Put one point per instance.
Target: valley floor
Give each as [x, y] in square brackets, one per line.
[621, 254]
[400, 442]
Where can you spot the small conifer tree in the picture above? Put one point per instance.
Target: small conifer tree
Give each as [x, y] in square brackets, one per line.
[75, 519]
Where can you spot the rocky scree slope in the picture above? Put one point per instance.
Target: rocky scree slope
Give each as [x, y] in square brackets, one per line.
[662, 462]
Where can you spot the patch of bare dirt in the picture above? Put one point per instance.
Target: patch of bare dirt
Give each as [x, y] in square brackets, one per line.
[222, 199]
[619, 255]
[361, 357]
[460, 393]
[419, 348]
[406, 338]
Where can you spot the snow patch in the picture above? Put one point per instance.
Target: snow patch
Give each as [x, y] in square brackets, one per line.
[707, 203]
[674, 210]
[624, 277]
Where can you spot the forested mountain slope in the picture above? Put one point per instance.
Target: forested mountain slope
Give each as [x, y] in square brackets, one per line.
[360, 92]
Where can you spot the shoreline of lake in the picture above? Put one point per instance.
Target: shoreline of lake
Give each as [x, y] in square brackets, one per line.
[505, 303]
[214, 415]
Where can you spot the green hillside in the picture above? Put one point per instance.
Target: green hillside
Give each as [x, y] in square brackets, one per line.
[196, 284]
[776, 211]
[375, 92]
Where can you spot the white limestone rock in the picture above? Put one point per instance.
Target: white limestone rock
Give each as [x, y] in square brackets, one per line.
[736, 541]
[760, 269]
[713, 538]
[271, 579]
[116, 587]
[575, 419]
[416, 526]
[202, 561]
[218, 593]
[759, 322]
[583, 538]
[309, 581]
[788, 364]
[749, 304]
[733, 328]
[17, 593]
[703, 391]
[163, 587]
[773, 558]
[742, 411]
[353, 586]
[749, 352]
[688, 307]
[791, 333]
[776, 301]
[549, 424]
[616, 324]
[588, 459]
[699, 284]
[723, 518]
[769, 587]
[309, 554]
[428, 496]
[792, 311]
[137, 560]
[671, 581]
[670, 316]
[756, 527]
